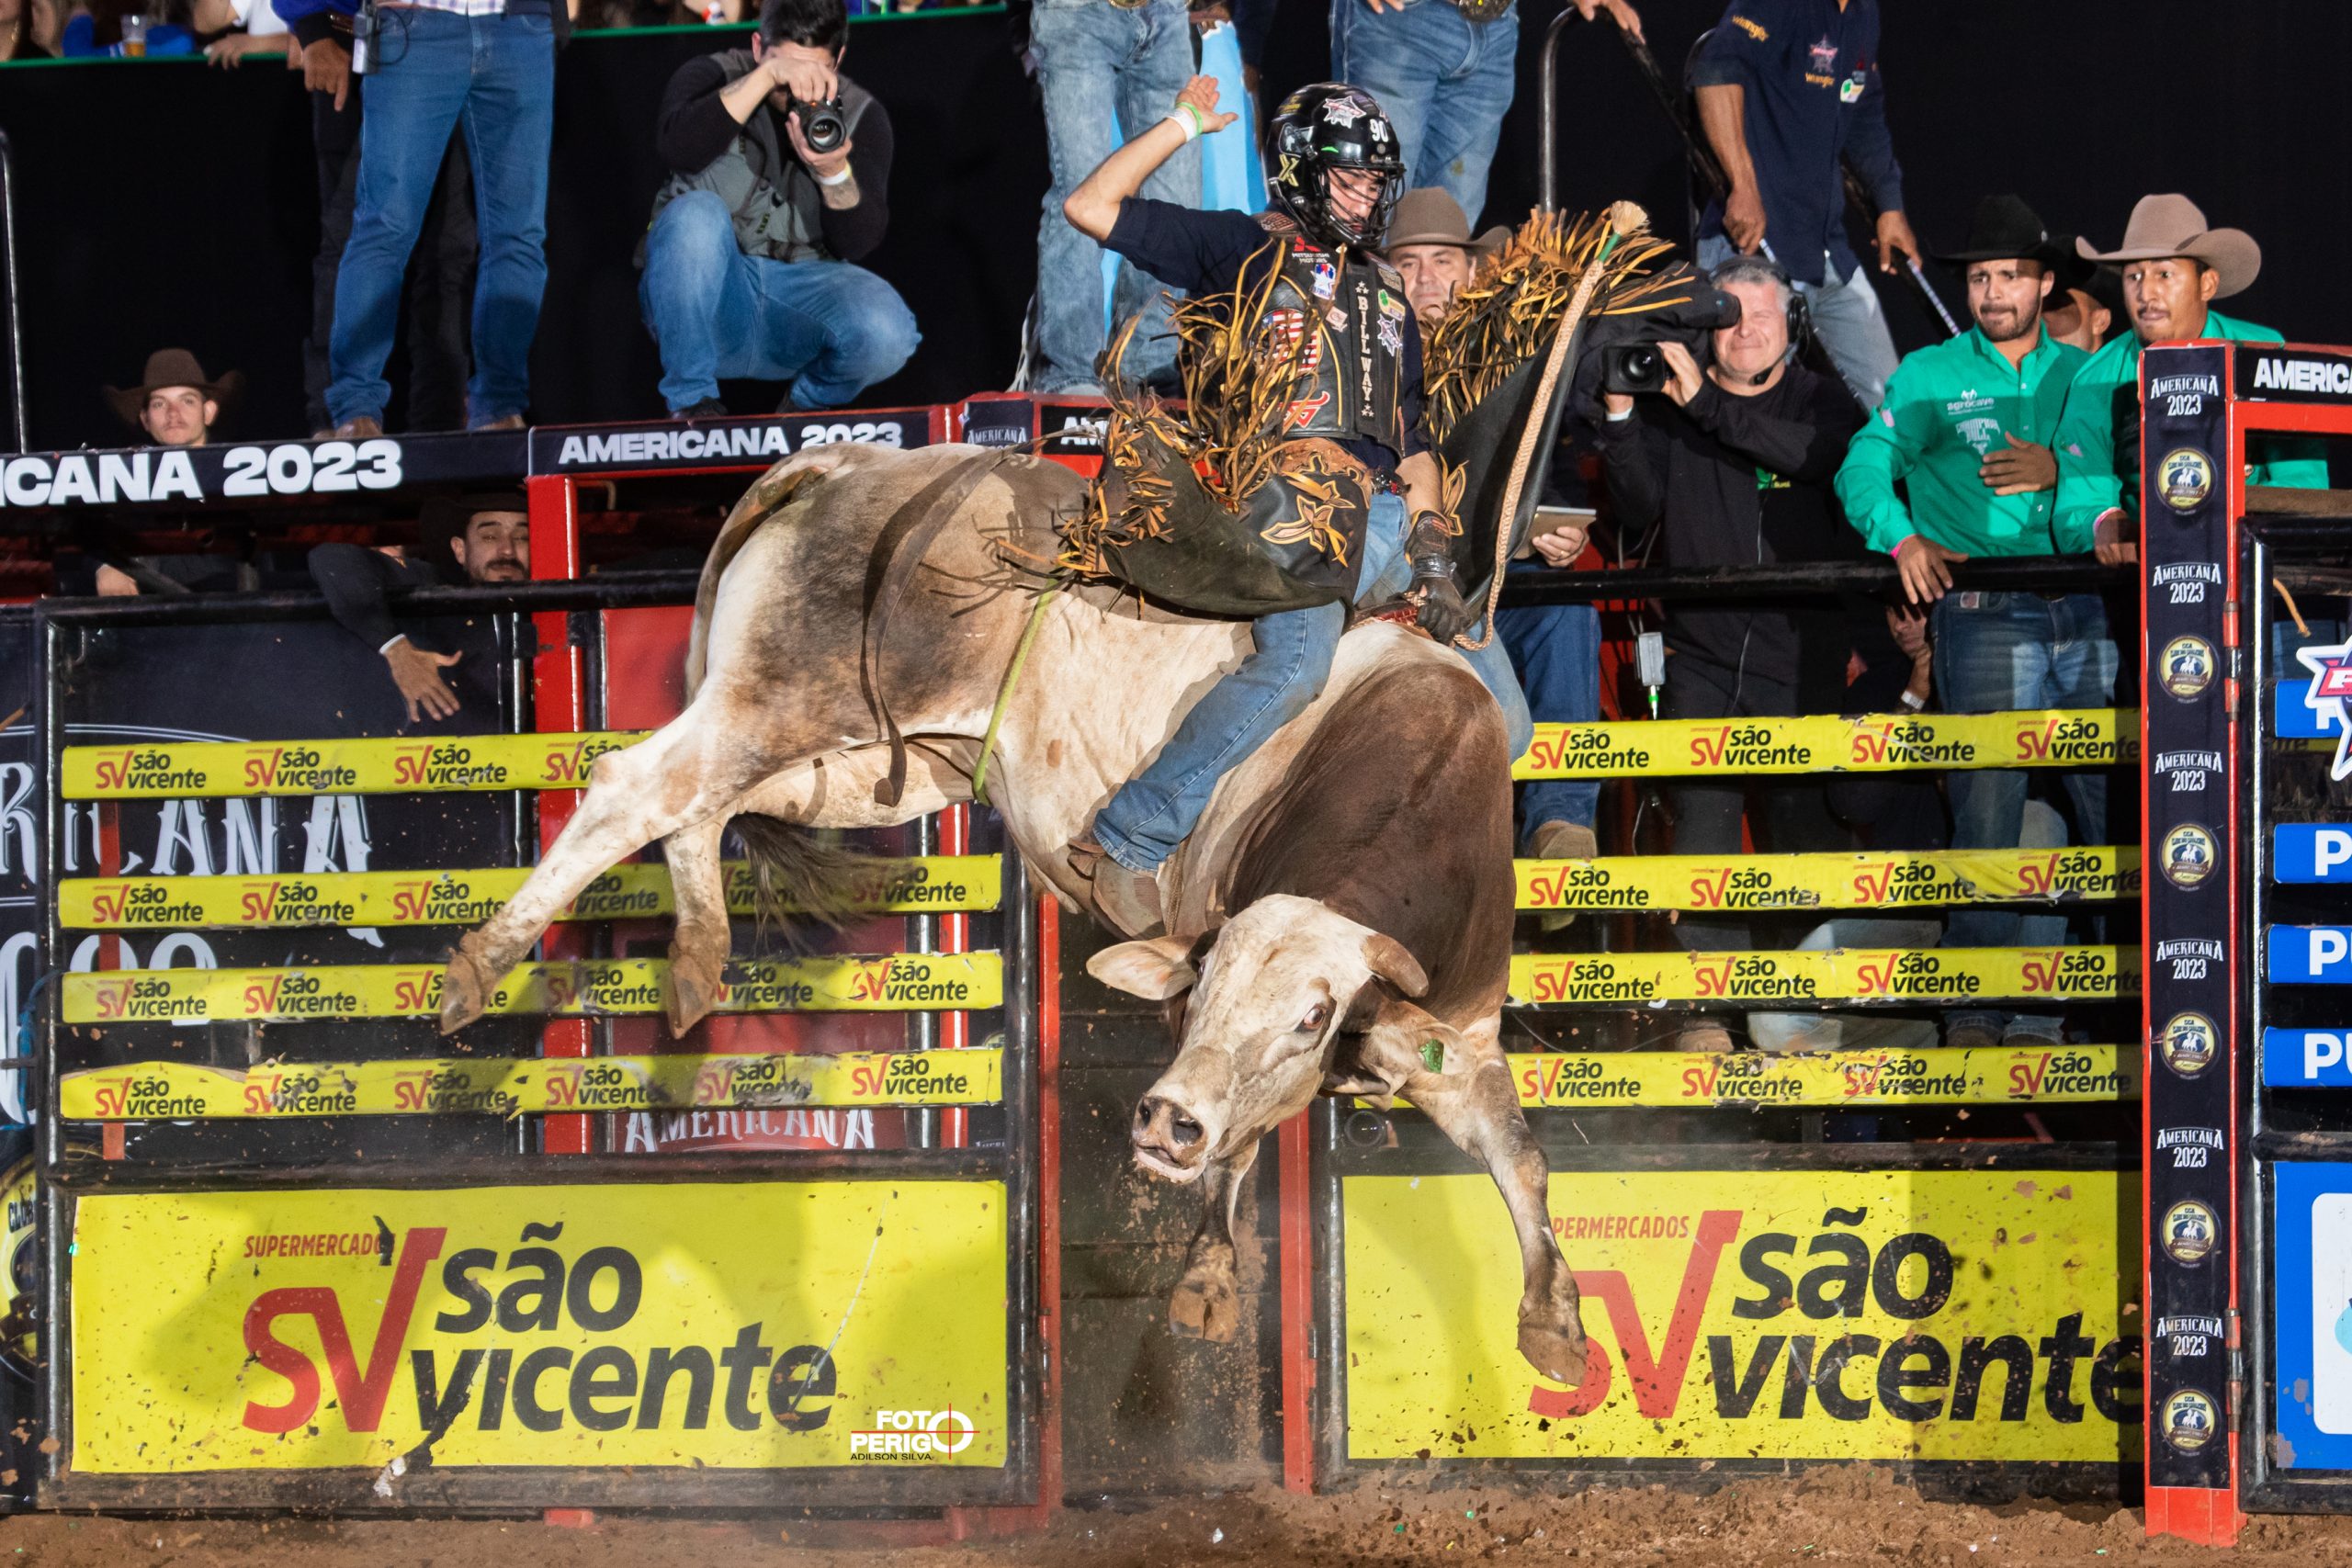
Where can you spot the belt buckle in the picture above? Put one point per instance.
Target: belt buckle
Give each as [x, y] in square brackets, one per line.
[1971, 600]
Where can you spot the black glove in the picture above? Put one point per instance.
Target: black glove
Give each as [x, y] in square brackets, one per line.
[1430, 549]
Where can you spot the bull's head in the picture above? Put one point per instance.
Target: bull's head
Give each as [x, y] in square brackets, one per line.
[1271, 996]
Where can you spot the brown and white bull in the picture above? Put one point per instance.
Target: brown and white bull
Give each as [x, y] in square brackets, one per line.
[1339, 921]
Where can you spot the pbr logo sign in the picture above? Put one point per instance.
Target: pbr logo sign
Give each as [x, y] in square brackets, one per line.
[2330, 686]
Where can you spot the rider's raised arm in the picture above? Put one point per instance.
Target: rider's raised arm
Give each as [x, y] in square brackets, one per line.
[1093, 207]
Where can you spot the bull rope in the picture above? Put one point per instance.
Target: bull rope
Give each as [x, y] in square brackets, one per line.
[1626, 220]
[1004, 691]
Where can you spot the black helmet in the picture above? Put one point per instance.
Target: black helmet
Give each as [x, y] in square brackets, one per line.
[1332, 126]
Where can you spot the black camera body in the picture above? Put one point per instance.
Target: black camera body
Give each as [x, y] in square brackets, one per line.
[1632, 369]
[823, 125]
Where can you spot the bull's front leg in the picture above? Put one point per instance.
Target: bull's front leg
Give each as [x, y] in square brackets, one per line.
[1473, 1102]
[1207, 1302]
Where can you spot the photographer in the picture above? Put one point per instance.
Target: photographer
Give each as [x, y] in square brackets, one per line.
[1731, 465]
[781, 167]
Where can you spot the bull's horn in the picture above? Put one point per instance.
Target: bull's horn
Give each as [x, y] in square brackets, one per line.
[1392, 964]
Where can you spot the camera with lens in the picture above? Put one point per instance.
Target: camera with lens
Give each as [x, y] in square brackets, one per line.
[822, 126]
[1635, 367]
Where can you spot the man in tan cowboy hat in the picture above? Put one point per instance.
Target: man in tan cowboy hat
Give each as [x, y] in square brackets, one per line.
[2174, 267]
[1429, 244]
[176, 403]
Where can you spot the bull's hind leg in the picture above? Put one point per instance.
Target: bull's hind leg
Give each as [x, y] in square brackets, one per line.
[1473, 1102]
[702, 938]
[689, 770]
[1207, 1300]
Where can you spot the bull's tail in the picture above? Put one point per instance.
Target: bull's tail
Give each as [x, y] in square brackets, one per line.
[773, 492]
[797, 875]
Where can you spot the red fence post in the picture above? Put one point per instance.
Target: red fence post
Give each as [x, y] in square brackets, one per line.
[560, 702]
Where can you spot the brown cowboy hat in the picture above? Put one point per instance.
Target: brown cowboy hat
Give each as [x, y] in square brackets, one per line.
[1431, 217]
[171, 367]
[2172, 226]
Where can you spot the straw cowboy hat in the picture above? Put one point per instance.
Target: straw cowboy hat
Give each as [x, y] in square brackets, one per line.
[1431, 217]
[171, 367]
[2172, 226]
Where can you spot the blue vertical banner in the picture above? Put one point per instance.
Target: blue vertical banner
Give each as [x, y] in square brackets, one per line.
[2191, 854]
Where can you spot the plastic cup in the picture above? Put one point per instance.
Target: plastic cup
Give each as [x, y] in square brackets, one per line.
[134, 35]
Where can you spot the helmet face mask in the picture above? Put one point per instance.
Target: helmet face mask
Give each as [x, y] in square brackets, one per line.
[1316, 132]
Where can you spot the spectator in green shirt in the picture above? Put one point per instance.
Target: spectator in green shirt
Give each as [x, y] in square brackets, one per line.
[1967, 424]
[2174, 268]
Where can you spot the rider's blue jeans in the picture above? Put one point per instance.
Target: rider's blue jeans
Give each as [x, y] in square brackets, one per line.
[1154, 810]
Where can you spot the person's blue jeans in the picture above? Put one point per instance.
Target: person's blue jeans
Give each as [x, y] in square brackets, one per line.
[1557, 651]
[495, 75]
[1997, 652]
[1846, 318]
[1108, 75]
[1444, 80]
[1153, 812]
[828, 327]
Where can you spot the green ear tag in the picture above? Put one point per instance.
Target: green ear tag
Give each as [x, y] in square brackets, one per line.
[1433, 1055]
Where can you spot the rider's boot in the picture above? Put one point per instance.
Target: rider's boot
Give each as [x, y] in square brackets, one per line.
[1128, 900]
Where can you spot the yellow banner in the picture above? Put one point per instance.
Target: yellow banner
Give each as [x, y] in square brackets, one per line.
[1998, 1075]
[180, 1092]
[1897, 881]
[1873, 743]
[899, 982]
[1755, 1314]
[926, 885]
[728, 1326]
[388, 766]
[1932, 974]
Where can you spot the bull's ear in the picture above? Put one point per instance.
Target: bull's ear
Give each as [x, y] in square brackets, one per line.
[1389, 959]
[1155, 970]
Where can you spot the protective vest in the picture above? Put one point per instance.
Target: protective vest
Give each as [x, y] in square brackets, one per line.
[1351, 310]
[777, 207]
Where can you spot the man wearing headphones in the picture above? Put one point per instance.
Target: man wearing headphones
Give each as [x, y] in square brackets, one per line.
[1735, 469]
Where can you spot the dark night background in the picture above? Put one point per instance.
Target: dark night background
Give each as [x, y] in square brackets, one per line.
[166, 202]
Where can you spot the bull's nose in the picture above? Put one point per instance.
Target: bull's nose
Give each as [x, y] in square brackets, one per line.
[1165, 1128]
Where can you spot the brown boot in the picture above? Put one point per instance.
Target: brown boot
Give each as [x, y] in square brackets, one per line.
[1561, 840]
[361, 429]
[1128, 900]
[506, 422]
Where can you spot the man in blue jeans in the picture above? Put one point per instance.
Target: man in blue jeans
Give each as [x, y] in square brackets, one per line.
[1443, 71]
[1787, 88]
[1107, 68]
[1333, 173]
[750, 264]
[1967, 428]
[489, 66]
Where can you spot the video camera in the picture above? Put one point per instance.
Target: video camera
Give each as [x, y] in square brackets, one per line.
[1635, 367]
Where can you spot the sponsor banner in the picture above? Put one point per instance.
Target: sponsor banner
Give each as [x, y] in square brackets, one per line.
[2311, 1325]
[2294, 374]
[1939, 974]
[2311, 851]
[528, 1087]
[385, 766]
[1004, 419]
[902, 982]
[2307, 1058]
[719, 1325]
[1938, 1076]
[2294, 715]
[1884, 881]
[924, 885]
[1753, 1315]
[1876, 743]
[181, 476]
[753, 443]
[2309, 955]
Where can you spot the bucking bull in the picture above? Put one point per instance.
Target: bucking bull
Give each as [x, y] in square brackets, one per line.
[1339, 923]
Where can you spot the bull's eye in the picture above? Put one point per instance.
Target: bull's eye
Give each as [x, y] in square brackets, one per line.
[1316, 1017]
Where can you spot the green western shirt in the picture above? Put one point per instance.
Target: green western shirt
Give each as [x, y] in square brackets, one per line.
[1946, 409]
[2093, 476]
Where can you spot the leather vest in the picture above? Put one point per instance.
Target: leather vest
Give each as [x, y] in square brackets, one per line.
[1351, 310]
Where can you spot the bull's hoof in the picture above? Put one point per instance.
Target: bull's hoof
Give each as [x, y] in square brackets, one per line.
[466, 986]
[1206, 1306]
[694, 989]
[1557, 1351]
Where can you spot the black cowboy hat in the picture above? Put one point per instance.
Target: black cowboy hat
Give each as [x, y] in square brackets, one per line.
[2006, 227]
[445, 518]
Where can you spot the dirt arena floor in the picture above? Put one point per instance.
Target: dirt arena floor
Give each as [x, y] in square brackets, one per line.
[1828, 1517]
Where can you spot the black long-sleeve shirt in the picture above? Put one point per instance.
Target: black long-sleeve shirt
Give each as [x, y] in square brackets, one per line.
[693, 127]
[1736, 481]
[356, 580]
